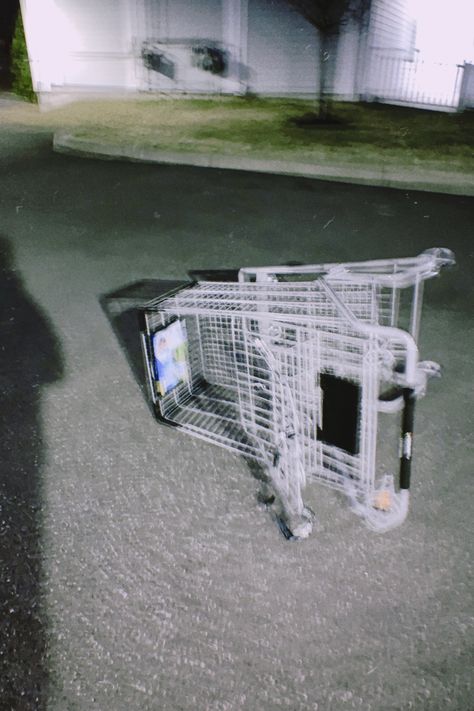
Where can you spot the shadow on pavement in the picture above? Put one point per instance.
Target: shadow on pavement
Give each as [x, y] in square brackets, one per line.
[122, 310]
[214, 274]
[30, 358]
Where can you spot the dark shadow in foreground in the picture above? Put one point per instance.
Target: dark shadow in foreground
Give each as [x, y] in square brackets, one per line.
[30, 358]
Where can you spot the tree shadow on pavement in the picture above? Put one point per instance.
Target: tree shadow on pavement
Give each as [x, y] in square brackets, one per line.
[30, 358]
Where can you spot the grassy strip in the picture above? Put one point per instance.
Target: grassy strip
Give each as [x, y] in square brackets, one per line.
[270, 128]
[20, 66]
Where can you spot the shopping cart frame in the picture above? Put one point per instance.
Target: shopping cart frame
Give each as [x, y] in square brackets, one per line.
[362, 300]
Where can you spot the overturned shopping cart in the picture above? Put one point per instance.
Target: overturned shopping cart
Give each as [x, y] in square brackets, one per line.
[292, 366]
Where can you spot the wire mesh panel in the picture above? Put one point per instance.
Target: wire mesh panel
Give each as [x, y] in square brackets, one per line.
[291, 367]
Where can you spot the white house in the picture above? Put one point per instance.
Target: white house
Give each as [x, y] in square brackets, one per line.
[198, 46]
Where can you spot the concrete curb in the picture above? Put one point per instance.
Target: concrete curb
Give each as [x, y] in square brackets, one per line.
[385, 176]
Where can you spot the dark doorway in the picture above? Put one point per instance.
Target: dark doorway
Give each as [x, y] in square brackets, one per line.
[8, 13]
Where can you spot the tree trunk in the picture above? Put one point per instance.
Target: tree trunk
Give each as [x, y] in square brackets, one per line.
[327, 62]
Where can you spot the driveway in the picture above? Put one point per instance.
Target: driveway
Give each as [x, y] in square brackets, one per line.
[139, 572]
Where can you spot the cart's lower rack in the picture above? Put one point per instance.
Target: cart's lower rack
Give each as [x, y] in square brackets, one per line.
[211, 413]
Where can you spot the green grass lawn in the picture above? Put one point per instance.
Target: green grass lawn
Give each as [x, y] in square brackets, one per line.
[269, 128]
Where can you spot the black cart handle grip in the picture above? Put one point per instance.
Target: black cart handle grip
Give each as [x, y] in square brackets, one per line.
[406, 439]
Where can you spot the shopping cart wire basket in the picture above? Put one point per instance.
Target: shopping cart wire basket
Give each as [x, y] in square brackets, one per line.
[292, 366]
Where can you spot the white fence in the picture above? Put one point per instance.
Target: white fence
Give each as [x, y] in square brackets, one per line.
[414, 82]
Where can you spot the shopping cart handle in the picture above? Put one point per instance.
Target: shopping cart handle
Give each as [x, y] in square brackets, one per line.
[391, 394]
[443, 257]
[430, 368]
[406, 438]
[391, 400]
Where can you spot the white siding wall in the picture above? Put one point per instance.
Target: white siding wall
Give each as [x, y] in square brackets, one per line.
[282, 49]
[234, 38]
[94, 26]
[82, 44]
[392, 29]
[179, 19]
[196, 19]
[96, 44]
[43, 51]
[173, 27]
[347, 66]
[390, 70]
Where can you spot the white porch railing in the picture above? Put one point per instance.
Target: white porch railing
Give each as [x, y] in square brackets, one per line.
[414, 82]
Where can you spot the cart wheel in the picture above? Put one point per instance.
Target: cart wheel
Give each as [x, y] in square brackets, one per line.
[387, 510]
[284, 529]
[298, 528]
[383, 500]
[266, 496]
[302, 531]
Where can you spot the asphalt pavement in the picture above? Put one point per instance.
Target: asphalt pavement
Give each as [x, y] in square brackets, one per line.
[138, 570]
[441, 179]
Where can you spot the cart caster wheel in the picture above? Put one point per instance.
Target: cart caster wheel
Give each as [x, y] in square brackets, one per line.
[298, 529]
[305, 526]
[265, 499]
[284, 529]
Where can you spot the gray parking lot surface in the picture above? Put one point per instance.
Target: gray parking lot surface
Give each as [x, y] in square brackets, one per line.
[138, 570]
